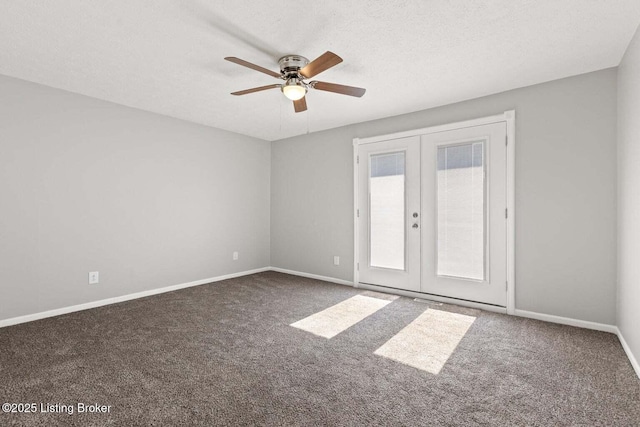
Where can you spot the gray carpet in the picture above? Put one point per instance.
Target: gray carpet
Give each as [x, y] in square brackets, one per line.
[224, 354]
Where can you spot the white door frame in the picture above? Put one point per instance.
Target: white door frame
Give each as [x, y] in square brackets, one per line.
[507, 117]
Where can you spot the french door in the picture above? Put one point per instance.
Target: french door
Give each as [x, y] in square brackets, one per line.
[431, 213]
[390, 174]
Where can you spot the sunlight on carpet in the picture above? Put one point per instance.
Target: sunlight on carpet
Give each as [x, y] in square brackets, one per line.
[330, 322]
[428, 341]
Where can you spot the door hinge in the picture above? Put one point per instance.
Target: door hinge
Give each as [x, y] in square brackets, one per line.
[506, 213]
[358, 213]
[506, 286]
[358, 266]
[506, 140]
[358, 159]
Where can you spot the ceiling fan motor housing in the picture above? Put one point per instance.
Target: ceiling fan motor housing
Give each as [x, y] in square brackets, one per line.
[290, 65]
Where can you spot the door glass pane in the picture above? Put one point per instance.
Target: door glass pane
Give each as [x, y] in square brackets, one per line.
[461, 211]
[387, 210]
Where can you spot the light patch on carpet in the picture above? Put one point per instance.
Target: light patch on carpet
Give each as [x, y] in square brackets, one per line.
[330, 322]
[428, 341]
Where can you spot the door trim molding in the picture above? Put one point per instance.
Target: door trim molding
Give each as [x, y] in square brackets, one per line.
[507, 117]
[503, 117]
[510, 119]
[356, 213]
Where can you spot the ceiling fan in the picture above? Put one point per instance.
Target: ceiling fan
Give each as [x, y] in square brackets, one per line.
[294, 70]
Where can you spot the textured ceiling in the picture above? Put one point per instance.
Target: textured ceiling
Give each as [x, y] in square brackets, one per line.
[166, 56]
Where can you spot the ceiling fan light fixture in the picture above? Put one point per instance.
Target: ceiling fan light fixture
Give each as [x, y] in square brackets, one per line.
[294, 89]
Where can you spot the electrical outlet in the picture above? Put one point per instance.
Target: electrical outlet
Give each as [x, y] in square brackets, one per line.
[235, 256]
[336, 260]
[94, 277]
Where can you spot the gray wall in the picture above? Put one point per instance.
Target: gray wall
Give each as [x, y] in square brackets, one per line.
[147, 200]
[151, 201]
[629, 196]
[565, 193]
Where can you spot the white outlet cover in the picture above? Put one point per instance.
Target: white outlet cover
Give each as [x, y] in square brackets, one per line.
[336, 260]
[94, 277]
[235, 256]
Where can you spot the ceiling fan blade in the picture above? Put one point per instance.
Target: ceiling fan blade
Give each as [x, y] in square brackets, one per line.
[341, 89]
[255, 89]
[320, 64]
[300, 105]
[252, 66]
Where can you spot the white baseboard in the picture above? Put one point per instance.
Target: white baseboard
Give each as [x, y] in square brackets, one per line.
[627, 349]
[567, 321]
[114, 300]
[312, 276]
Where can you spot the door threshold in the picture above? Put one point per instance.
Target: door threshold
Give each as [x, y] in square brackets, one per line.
[436, 298]
[428, 301]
